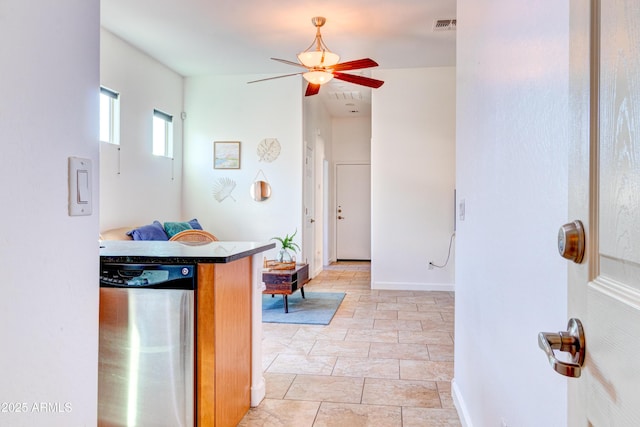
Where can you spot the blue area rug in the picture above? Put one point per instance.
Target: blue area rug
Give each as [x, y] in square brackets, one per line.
[317, 308]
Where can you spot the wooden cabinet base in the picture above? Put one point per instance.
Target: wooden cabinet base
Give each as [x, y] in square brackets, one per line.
[223, 355]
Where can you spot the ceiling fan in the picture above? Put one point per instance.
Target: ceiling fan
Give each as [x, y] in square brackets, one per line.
[322, 65]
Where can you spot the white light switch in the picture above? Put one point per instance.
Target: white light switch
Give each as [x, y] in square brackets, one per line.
[80, 194]
[84, 192]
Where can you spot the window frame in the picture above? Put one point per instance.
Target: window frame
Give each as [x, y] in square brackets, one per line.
[167, 145]
[113, 118]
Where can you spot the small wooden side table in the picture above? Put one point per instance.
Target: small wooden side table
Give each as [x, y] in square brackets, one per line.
[286, 282]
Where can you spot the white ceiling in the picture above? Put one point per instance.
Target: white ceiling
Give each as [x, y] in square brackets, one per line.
[196, 37]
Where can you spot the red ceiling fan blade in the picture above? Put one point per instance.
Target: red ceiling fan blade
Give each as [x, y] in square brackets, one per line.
[284, 61]
[276, 77]
[354, 65]
[312, 89]
[359, 80]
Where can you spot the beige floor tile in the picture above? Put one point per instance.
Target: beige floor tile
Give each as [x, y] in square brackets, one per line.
[434, 307]
[399, 351]
[375, 314]
[281, 413]
[397, 306]
[369, 367]
[366, 367]
[448, 316]
[433, 316]
[279, 330]
[372, 335]
[378, 298]
[319, 333]
[431, 337]
[444, 386]
[277, 385]
[426, 370]
[341, 312]
[349, 415]
[436, 325]
[400, 393]
[441, 353]
[340, 348]
[359, 305]
[394, 293]
[447, 400]
[418, 298]
[398, 325]
[326, 388]
[350, 323]
[286, 345]
[295, 364]
[431, 417]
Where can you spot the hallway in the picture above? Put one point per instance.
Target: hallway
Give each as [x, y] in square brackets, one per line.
[386, 359]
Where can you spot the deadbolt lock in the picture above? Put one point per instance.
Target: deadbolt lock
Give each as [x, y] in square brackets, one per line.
[571, 241]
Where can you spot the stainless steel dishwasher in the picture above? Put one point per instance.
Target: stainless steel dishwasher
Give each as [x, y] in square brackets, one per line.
[146, 345]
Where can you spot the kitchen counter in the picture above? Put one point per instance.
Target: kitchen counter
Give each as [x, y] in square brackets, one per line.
[166, 252]
[228, 355]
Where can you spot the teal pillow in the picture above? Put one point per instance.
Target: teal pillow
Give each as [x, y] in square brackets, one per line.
[173, 228]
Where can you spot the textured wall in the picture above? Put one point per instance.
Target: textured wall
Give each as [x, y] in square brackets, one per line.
[511, 169]
[49, 260]
[413, 173]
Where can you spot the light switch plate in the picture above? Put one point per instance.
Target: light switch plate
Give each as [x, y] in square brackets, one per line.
[80, 190]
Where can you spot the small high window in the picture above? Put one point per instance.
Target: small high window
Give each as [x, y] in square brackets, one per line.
[162, 134]
[109, 116]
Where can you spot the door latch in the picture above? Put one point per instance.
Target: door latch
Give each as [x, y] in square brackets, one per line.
[571, 341]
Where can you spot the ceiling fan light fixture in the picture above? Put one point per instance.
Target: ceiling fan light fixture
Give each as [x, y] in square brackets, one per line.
[318, 58]
[317, 77]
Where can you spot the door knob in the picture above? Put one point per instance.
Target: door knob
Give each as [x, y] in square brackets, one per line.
[340, 217]
[571, 241]
[312, 220]
[571, 341]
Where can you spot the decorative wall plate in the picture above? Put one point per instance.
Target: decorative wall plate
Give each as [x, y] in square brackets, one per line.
[268, 150]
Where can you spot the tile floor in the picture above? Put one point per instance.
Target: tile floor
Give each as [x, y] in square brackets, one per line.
[386, 359]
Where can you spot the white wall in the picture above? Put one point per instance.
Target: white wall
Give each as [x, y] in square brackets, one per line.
[413, 173]
[512, 121]
[351, 139]
[136, 186]
[226, 108]
[49, 260]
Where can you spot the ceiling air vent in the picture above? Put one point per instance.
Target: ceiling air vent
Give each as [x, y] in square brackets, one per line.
[444, 25]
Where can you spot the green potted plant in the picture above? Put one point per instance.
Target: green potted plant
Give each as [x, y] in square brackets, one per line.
[286, 244]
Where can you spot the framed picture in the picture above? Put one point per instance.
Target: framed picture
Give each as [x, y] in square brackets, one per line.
[226, 155]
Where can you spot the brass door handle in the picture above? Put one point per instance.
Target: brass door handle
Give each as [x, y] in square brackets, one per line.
[571, 341]
[340, 217]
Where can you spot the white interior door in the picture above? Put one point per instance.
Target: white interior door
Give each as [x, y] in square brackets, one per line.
[353, 216]
[604, 291]
[309, 241]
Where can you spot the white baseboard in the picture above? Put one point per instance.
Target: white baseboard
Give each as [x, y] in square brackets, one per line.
[458, 402]
[399, 286]
[258, 392]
